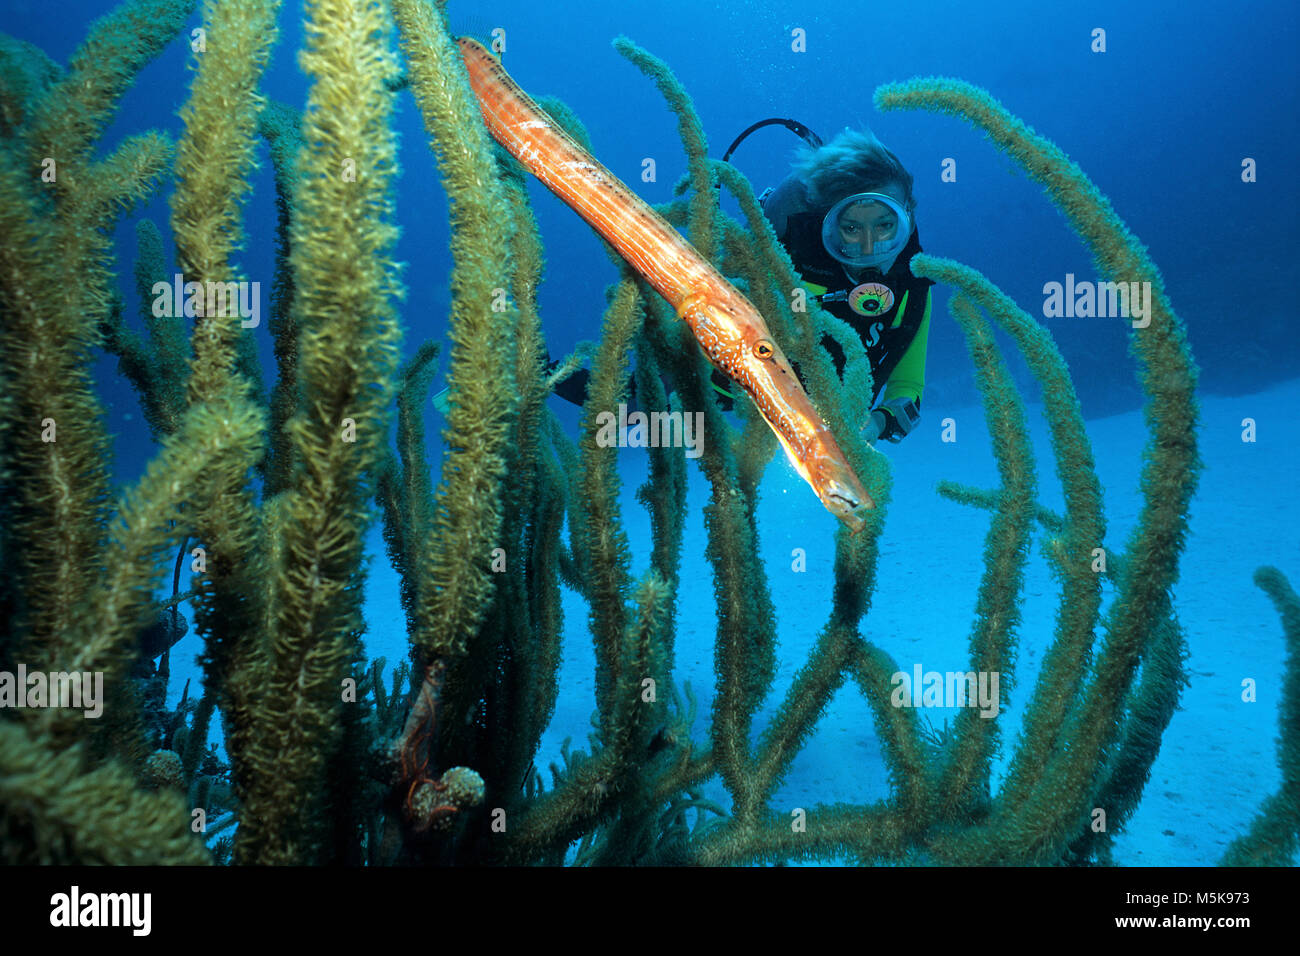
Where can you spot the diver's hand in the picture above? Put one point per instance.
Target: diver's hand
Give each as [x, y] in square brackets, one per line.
[892, 421]
[875, 425]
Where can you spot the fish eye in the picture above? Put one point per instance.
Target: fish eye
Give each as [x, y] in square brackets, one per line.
[764, 349]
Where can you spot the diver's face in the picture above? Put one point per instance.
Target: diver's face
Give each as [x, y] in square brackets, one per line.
[864, 224]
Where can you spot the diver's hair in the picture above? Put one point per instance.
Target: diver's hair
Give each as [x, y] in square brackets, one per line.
[853, 162]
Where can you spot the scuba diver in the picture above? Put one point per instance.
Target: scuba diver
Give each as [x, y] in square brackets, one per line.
[846, 216]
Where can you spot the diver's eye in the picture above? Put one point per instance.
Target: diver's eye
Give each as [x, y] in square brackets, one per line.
[764, 349]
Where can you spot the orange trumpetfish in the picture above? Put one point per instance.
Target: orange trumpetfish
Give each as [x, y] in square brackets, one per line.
[727, 326]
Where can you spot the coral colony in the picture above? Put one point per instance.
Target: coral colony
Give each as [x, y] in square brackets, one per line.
[331, 760]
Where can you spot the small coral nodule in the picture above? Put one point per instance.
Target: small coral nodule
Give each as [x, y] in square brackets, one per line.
[163, 769]
[434, 804]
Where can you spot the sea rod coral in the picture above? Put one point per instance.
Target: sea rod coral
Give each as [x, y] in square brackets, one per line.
[270, 491]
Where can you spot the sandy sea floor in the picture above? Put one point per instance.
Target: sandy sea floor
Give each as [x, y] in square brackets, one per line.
[1218, 759]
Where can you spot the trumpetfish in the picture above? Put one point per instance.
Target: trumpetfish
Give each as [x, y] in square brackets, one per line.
[727, 326]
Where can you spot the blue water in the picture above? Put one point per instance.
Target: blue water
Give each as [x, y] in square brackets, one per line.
[1161, 121]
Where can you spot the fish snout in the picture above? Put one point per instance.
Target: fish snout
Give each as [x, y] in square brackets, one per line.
[848, 503]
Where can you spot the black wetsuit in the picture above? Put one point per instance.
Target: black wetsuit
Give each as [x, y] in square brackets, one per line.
[885, 341]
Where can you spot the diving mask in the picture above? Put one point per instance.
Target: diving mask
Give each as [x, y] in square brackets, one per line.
[866, 230]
